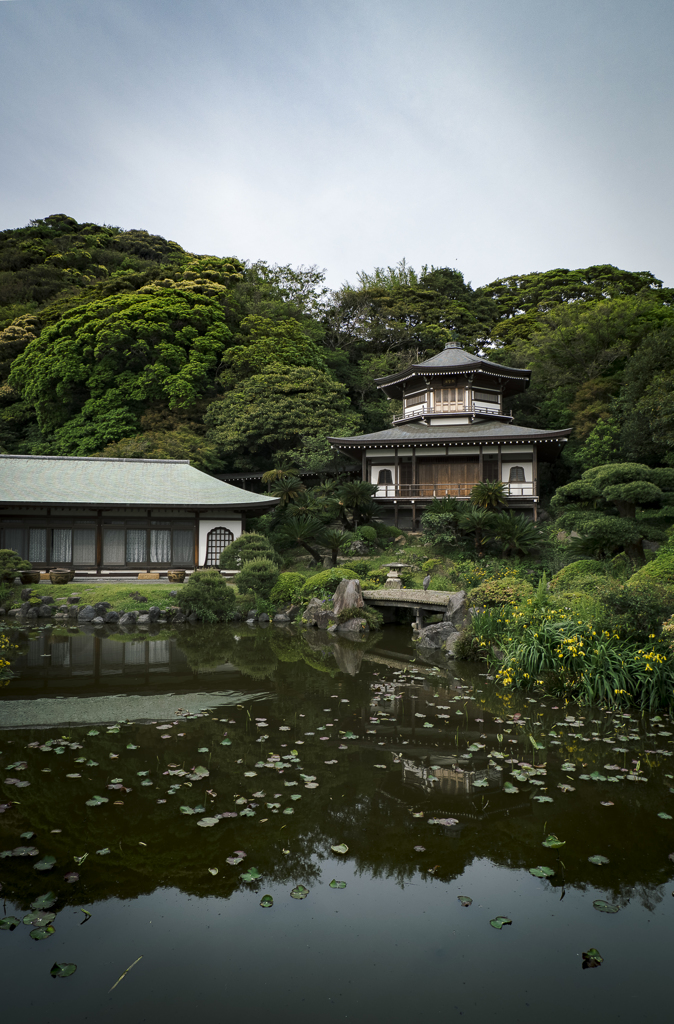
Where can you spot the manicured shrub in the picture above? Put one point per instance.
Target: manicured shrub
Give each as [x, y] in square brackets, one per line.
[660, 571]
[504, 591]
[246, 548]
[287, 588]
[258, 577]
[326, 582]
[11, 563]
[207, 595]
[360, 566]
[568, 578]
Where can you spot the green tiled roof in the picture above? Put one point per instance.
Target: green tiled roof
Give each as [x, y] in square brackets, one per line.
[485, 431]
[65, 480]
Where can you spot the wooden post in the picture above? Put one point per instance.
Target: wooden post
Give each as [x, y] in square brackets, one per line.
[396, 480]
[480, 468]
[500, 473]
[414, 516]
[196, 541]
[534, 481]
[99, 541]
[414, 472]
[364, 466]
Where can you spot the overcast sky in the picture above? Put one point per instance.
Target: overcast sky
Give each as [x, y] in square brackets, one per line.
[497, 136]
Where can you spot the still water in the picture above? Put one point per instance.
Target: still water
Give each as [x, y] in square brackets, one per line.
[177, 778]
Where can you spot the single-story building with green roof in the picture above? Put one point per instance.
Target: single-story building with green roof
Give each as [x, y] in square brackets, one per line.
[111, 516]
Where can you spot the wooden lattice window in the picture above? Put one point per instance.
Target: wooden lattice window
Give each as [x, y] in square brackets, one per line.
[216, 542]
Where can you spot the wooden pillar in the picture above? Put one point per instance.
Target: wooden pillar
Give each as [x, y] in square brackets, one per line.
[196, 540]
[99, 541]
[395, 514]
[396, 478]
[414, 473]
[414, 516]
[364, 466]
[480, 470]
[500, 474]
[534, 480]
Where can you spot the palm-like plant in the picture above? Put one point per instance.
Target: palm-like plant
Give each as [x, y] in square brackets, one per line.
[355, 497]
[489, 494]
[287, 488]
[304, 530]
[283, 468]
[480, 522]
[517, 534]
[334, 540]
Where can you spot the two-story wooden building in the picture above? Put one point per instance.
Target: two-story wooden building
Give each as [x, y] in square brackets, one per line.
[454, 430]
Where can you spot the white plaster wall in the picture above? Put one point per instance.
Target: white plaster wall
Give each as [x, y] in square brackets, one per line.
[374, 476]
[526, 466]
[206, 525]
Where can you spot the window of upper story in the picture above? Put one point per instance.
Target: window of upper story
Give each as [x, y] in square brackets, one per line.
[449, 399]
[516, 475]
[493, 397]
[419, 398]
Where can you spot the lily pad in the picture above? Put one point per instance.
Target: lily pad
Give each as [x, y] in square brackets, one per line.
[71, 876]
[267, 901]
[213, 871]
[8, 924]
[234, 860]
[498, 922]
[288, 810]
[208, 822]
[334, 884]
[465, 901]
[598, 859]
[299, 892]
[541, 872]
[605, 908]
[103, 852]
[662, 814]
[340, 848]
[251, 875]
[38, 918]
[592, 958]
[80, 860]
[44, 902]
[96, 801]
[63, 970]
[481, 783]
[509, 788]
[553, 843]
[540, 799]
[42, 933]
[46, 864]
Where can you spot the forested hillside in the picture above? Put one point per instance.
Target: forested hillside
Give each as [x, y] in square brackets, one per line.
[122, 343]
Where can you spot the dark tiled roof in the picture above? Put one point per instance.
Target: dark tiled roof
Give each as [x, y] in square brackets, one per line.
[469, 433]
[453, 358]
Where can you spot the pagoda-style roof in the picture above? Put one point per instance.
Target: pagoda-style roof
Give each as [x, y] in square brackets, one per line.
[100, 482]
[421, 435]
[454, 361]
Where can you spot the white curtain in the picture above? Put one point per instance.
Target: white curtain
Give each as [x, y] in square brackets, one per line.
[183, 547]
[113, 547]
[136, 542]
[37, 549]
[160, 545]
[84, 547]
[61, 546]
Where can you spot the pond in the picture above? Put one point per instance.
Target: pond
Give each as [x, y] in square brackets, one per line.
[277, 824]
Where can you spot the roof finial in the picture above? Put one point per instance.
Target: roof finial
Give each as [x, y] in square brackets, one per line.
[454, 344]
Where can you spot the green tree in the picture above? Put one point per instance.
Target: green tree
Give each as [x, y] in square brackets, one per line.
[106, 361]
[355, 504]
[207, 595]
[488, 494]
[246, 548]
[618, 506]
[258, 577]
[273, 410]
[180, 443]
[264, 343]
[480, 522]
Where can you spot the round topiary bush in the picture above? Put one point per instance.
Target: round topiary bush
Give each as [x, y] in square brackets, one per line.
[326, 582]
[247, 548]
[660, 571]
[288, 588]
[503, 591]
[258, 577]
[207, 595]
[568, 577]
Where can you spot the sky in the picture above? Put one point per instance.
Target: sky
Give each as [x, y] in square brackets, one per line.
[496, 136]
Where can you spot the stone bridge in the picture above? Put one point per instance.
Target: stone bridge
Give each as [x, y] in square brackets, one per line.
[417, 602]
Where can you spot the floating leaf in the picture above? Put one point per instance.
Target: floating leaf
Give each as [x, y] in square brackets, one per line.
[71, 876]
[498, 922]
[607, 803]
[208, 822]
[340, 848]
[299, 893]
[27, 835]
[80, 860]
[334, 884]
[267, 901]
[598, 859]
[8, 924]
[42, 933]
[38, 918]
[509, 788]
[553, 843]
[213, 871]
[251, 875]
[247, 813]
[541, 872]
[465, 901]
[592, 958]
[605, 908]
[565, 788]
[420, 849]
[662, 814]
[93, 732]
[46, 864]
[202, 750]
[251, 775]
[96, 801]
[288, 810]
[102, 853]
[44, 902]
[443, 821]
[63, 970]
[481, 783]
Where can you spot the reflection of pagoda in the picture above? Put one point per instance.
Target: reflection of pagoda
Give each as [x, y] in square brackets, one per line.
[454, 431]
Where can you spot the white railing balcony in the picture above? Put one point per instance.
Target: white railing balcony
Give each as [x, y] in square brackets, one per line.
[448, 490]
[444, 408]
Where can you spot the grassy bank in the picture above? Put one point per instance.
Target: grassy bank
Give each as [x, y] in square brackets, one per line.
[120, 595]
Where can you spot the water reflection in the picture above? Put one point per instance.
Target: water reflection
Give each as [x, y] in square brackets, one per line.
[301, 741]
